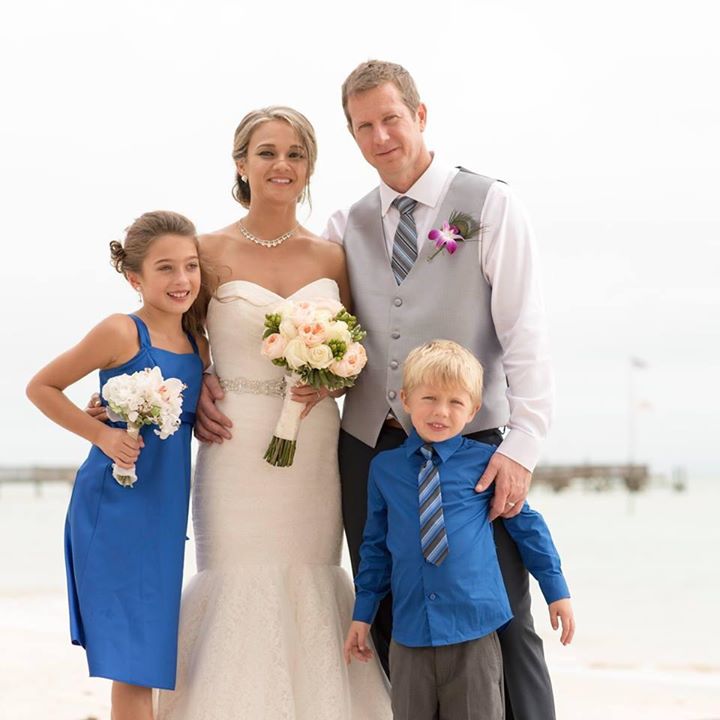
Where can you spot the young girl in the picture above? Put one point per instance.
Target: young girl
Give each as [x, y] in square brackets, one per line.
[124, 547]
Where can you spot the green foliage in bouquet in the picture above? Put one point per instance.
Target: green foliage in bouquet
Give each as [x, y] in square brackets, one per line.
[272, 324]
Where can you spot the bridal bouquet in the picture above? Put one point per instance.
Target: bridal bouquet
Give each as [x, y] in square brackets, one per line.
[143, 398]
[318, 342]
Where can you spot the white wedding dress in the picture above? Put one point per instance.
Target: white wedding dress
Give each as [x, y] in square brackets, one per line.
[264, 620]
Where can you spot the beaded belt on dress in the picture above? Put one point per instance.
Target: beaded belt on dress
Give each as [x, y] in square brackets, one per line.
[254, 387]
[186, 417]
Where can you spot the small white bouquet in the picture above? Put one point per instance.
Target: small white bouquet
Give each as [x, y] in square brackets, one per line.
[318, 341]
[143, 398]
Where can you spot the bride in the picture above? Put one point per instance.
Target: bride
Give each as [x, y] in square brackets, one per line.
[263, 621]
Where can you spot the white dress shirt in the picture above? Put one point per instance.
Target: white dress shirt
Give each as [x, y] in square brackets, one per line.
[507, 257]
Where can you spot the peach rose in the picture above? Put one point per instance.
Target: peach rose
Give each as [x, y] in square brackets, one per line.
[273, 346]
[313, 333]
[303, 311]
[352, 362]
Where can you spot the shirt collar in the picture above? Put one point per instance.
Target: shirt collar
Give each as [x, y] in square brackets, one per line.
[427, 188]
[444, 449]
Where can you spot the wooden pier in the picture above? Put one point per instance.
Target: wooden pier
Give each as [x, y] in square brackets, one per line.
[37, 476]
[593, 477]
[558, 477]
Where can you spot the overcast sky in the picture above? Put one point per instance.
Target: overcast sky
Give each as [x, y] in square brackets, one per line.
[604, 118]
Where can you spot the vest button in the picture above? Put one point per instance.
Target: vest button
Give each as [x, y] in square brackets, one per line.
[395, 335]
[397, 302]
[392, 394]
[394, 364]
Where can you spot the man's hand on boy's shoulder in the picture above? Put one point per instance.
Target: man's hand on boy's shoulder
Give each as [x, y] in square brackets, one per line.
[562, 610]
[512, 483]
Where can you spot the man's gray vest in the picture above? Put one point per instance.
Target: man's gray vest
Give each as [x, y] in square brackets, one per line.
[447, 297]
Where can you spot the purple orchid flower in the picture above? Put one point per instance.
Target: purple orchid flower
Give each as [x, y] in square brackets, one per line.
[446, 237]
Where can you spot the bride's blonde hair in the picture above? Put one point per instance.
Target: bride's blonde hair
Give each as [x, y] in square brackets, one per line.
[296, 120]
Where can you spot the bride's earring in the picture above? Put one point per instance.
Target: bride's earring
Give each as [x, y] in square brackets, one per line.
[243, 178]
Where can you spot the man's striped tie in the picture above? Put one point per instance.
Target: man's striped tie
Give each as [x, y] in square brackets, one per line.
[433, 537]
[404, 251]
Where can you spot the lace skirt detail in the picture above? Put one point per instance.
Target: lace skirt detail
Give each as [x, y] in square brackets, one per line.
[265, 642]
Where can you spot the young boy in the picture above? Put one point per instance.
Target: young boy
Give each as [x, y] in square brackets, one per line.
[428, 538]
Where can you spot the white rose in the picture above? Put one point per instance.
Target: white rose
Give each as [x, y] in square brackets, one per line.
[339, 331]
[284, 309]
[329, 304]
[320, 357]
[323, 315]
[296, 353]
[287, 329]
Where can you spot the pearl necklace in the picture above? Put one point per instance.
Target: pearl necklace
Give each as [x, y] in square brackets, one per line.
[266, 243]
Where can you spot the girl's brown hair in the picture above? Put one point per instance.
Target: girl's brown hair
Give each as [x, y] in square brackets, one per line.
[128, 256]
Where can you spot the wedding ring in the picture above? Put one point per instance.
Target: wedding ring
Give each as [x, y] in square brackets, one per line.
[510, 504]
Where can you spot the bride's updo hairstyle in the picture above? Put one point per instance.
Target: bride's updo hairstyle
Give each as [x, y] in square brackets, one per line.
[296, 120]
[129, 255]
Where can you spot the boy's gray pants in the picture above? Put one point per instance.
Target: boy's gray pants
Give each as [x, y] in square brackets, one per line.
[450, 682]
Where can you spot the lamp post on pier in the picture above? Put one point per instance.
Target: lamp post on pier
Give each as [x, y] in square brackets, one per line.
[634, 365]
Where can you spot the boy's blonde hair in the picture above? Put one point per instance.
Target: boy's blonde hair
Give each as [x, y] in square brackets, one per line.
[444, 363]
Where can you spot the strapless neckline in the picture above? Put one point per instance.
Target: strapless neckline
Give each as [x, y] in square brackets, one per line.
[273, 293]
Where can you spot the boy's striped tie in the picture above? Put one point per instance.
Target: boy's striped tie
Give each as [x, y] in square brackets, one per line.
[433, 537]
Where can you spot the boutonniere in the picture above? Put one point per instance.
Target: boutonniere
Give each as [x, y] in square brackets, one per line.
[460, 227]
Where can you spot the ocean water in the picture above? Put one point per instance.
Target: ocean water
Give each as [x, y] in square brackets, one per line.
[642, 569]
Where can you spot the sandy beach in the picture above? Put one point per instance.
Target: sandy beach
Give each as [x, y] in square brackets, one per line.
[45, 677]
[647, 645]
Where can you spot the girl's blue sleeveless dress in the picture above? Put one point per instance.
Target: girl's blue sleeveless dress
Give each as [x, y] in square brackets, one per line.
[124, 547]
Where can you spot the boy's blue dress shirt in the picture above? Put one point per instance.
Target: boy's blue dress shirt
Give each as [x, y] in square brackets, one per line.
[464, 598]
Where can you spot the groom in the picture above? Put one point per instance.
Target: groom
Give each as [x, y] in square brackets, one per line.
[485, 296]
